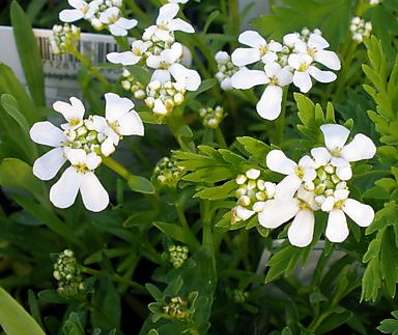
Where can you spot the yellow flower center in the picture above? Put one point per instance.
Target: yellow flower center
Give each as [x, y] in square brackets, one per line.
[81, 168]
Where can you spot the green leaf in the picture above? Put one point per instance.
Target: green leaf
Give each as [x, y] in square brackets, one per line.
[16, 173]
[29, 53]
[11, 107]
[283, 259]
[292, 15]
[14, 319]
[254, 147]
[178, 233]
[218, 192]
[73, 326]
[140, 185]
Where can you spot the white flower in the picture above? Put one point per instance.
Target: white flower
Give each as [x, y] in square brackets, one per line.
[167, 66]
[138, 50]
[118, 26]
[360, 29]
[181, 1]
[315, 48]
[296, 174]
[47, 166]
[259, 49]
[81, 9]
[338, 206]
[341, 154]
[166, 22]
[280, 210]
[120, 120]
[275, 77]
[304, 70]
[80, 176]
[73, 113]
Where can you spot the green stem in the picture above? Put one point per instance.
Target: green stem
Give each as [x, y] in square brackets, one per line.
[181, 215]
[181, 131]
[207, 237]
[89, 65]
[116, 167]
[114, 277]
[280, 122]
[235, 20]
[220, 138]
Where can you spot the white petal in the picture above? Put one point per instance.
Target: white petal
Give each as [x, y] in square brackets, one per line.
[344, 172]
[126, 23]
[187, 77]
[153, 61]
[301, 230]
[107, 147]
[329, 59]
[108, 16]
[244, 213]
[302, 80]
[361, 214]
[275, 46]
[337, 229]
[361, 147]
[181, 25]
[124, 58]
[167, 13]
[322, 76]
[245, 79]
[70, 15]
[328, 204]
[285, 77]
[63, 193]
[270, 105]
[252, 38]
[47, 166]
[73, 111]
[116, 30]
[245, 56]
[94, 195]
[278, 162]
[116, 106]
[161, 75]
[93, 161]
[77, 4]
[131, 124]
[75, 156]
[335, 136]
[287, 187]
[321, 156]
[47, 134]
[318, 42]
[159, 107]
[278, 211]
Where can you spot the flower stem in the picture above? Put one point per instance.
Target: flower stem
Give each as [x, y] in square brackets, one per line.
[220, 138]
[89, 65]
[114, 277]
[116, 167]
[181, 131]
[207, 237]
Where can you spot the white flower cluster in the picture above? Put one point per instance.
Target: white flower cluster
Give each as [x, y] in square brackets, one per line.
[226, 69]
[132, 85]
[67, 273]
[101, 14]
[167, 172]
[212, 117]
[160, 52]
[178, 255]
[295, 61]
[360, 29]
[64, 37]
[251, 194]
[83, 143]
[317, 183]
[374, 2]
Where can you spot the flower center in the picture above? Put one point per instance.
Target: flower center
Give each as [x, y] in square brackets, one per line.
[81, 168]
[274, 81]
[299, 171]
[312, 52]
[336, 151]
[303, 67]
[263, 49]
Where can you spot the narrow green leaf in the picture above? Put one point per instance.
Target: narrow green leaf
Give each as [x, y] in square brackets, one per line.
[141, 185]
[29, 53]
[14, 319]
